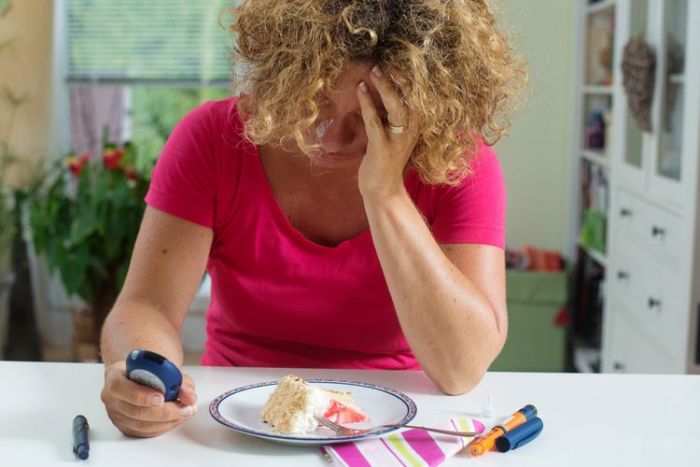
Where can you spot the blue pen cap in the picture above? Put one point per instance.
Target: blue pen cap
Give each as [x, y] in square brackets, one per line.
[520, 435]
[529, 411]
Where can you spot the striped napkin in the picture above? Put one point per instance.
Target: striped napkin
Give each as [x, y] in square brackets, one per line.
[411, 447]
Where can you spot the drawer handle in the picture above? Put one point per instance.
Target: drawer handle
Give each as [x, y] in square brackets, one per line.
[657, 231]
[654, 302]
[625, 212]
[619, 366]
[623, 275]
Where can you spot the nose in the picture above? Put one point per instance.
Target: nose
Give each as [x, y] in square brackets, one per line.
[338, 135]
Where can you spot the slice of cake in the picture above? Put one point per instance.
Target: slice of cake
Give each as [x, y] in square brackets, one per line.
[294, 402]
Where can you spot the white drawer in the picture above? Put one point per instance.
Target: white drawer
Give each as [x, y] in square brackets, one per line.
[650, 293]
[663, 231]
[629, 216]
[654, 229]
[631, 350]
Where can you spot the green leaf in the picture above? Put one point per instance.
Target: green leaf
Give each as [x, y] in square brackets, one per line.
[98, 267]
[73, 270]
[121, 274]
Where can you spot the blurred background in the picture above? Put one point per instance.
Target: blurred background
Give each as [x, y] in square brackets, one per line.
[600, 164]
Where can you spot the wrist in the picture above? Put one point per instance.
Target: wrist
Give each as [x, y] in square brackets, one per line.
[384, 196]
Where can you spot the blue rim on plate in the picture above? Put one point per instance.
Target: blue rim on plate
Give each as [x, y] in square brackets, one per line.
[408, 403]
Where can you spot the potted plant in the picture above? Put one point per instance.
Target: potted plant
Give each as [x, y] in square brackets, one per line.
[6, 236]
[7, 226]
[84, 220]
[8, 214]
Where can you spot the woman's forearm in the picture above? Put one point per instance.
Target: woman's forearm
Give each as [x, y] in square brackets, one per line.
[133, 324]
[448, 322]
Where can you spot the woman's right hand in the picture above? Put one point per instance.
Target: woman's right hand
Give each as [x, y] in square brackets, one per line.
[141, 411]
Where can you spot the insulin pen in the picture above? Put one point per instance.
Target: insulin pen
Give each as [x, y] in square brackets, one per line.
[81, 444]
[482, 444]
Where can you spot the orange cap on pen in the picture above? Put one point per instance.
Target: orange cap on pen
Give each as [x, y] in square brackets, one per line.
[485, 443]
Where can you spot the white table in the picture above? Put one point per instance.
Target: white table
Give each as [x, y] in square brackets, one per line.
[589, 420]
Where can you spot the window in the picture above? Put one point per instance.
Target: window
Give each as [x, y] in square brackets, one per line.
[135, 67]
[136, 41]
[154, 111]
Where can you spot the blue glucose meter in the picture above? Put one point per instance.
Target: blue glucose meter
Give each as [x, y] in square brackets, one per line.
[154, 370]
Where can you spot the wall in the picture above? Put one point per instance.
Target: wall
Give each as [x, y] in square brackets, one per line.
[536, 154]
[40, 130]
[27, 68]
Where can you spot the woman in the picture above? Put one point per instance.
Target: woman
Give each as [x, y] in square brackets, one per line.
[346, 206]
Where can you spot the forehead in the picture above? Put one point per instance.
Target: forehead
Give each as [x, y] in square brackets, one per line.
[350, 76]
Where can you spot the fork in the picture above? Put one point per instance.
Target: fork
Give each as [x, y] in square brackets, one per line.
[345, 430]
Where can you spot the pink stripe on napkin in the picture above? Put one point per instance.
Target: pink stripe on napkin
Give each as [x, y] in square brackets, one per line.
[409, 447]
[351, 455]
[425, 446]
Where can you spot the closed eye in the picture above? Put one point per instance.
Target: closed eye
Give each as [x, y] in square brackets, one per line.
[323, 101]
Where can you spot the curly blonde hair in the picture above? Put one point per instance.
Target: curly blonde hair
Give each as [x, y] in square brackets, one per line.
[456, 67]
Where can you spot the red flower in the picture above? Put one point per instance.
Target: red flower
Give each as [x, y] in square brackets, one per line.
[112, 158]
[131, 174]
[76, 164]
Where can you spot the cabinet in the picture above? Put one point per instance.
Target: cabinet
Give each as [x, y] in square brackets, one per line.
[651, 294]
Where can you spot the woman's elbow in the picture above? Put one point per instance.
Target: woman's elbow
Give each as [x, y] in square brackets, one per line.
[459, 383]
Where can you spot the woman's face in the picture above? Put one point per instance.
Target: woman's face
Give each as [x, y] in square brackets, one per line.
[340, 130]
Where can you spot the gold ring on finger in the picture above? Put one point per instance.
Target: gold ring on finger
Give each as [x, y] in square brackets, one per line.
[397, 129]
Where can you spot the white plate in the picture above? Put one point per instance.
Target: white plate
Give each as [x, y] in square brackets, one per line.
[239, 409]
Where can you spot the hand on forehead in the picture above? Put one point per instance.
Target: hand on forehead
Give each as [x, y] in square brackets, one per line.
[343, 93]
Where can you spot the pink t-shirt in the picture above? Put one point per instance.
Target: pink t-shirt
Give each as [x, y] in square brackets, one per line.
[279, 299]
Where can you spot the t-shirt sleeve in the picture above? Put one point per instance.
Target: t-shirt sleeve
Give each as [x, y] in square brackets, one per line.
[183, 182]
[475, 210]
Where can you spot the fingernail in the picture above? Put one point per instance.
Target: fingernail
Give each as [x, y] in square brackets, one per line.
[156, 400]
[362, 86]
[377, 72]
[194, 408]
[187, 411]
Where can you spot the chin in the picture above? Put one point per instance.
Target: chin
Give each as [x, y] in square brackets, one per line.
[336, 160]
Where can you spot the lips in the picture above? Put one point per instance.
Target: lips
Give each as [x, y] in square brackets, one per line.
[331, 156]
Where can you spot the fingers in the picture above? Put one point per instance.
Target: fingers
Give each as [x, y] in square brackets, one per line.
[413, 120]
[188, 392]
[141, 411]
[170, 412]
[134, 393]
[140, 428]
[374, 126]
[396, 110]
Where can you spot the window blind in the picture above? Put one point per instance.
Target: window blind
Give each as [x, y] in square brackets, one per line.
[148, 41]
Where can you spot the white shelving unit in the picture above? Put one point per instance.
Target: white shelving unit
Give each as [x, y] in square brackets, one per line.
[596, 101]
[651, 256]
[595, 157]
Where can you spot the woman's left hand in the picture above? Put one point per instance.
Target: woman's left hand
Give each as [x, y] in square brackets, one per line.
[390, 144]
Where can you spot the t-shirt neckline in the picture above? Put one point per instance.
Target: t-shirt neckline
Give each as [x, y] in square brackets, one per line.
[282, 219]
